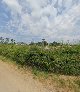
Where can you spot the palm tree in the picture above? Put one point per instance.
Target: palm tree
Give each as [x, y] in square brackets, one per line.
[43, 40]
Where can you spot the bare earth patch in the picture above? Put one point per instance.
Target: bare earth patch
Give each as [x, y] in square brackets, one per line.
[12, 80]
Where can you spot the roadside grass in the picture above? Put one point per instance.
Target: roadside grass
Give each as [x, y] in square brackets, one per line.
[62, 83]
[11, 62]
[77, 82]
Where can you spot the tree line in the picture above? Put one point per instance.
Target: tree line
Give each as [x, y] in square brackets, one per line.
[6, 40]
[42, 43]
[45, 43]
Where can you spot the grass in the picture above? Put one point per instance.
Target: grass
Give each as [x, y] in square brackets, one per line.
[61, 83]
[77, 81]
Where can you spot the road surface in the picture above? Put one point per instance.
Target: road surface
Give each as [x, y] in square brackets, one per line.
[11, 80]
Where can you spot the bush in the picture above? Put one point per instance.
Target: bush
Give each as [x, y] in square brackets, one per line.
[61, 59]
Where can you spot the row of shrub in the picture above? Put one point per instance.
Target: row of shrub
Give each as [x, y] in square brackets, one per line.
[60, 59]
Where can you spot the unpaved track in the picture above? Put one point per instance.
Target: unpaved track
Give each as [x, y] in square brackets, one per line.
[13, 81]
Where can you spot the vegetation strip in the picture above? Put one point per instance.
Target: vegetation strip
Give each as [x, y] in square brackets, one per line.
[63, 59]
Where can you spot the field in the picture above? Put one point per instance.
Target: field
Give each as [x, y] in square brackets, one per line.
[57, 67]
[63, 59]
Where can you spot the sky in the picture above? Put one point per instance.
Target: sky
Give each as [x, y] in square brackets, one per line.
[33, 20]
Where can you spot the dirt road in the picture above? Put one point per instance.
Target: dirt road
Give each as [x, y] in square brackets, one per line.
[12, 80]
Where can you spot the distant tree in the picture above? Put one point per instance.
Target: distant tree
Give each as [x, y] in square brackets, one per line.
[44, 43]
[22, 43]
[39, 43]
[12, 41]
[1, 40]
[43, 40]
[32, 43]
[54, 44]
[6, 40]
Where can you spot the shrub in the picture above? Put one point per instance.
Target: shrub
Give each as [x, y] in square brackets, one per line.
[63, 59]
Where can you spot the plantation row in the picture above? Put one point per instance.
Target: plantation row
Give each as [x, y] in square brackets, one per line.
[63, 59]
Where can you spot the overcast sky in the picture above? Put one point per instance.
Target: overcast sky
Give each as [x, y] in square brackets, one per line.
[32, 20]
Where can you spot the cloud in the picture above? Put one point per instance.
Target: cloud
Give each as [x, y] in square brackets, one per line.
[50, 19]
[13, 5]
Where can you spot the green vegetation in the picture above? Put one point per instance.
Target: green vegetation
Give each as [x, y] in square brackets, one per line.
[62, 59]
[47, 63]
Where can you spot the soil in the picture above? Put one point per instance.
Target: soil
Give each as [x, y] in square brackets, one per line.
[13, 80]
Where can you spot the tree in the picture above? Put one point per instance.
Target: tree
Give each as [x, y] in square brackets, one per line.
[39, 43]
[1, 40]
[44, 43]
[32, 43]
[54, 44]
[12, 41]
[7, 40]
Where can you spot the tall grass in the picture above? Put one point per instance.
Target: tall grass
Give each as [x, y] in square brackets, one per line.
[63, 59]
